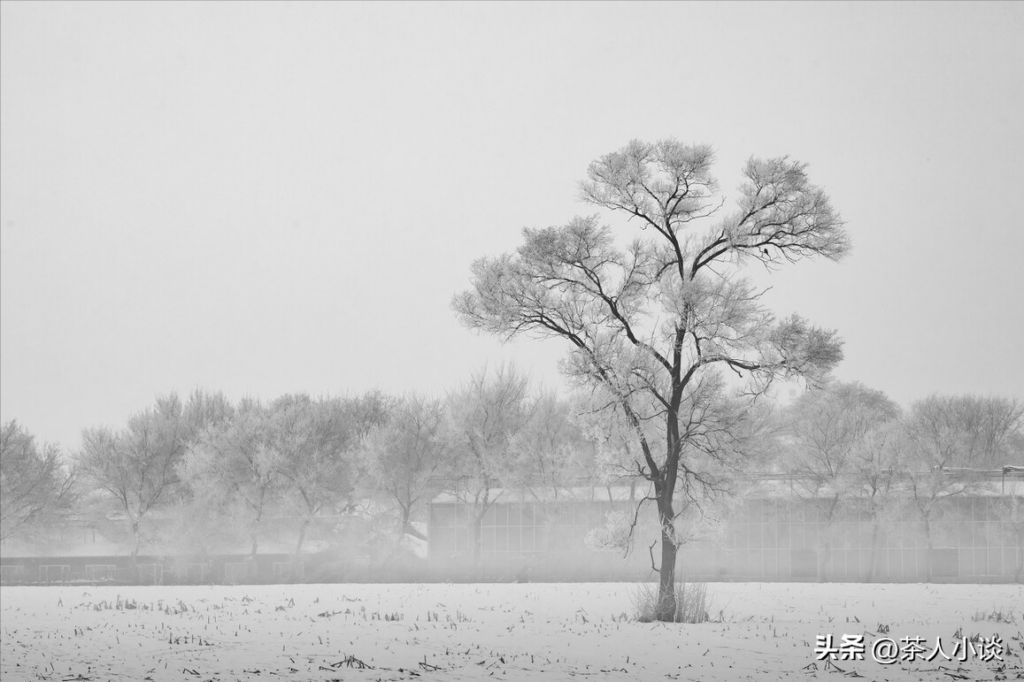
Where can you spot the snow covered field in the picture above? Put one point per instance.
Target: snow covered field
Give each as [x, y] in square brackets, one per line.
[512, 632]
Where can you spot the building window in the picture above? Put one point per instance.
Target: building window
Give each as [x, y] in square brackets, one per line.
[53, 573]
[100, 571]
[12, 573]
[239, 571]
[287, 570]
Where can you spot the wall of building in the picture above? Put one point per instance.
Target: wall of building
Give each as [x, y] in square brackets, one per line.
[765, 539]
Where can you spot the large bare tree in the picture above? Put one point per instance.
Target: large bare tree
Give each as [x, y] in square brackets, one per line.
[653, 325]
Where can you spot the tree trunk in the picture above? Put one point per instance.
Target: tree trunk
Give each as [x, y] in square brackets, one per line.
[928, 544]
[254, 536]
[137, 537]
[825, 559]
[403, 522]
[873, 556]
[410, 529]
[478, 522]
[302, 537]
[406, 527]
[665, 609]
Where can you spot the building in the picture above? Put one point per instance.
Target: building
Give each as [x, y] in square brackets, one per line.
[772, 534]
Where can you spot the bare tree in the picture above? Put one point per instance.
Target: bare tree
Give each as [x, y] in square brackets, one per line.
[196, 524]
[878, 469]
[401, 457]
[653, 326]
[136, 465]
[834, 466]
[317, 440]
[295, 454]
[34, 480]
[241, 460]
[487, 416]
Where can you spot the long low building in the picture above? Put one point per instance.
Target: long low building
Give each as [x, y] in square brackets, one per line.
[774, 532]
[99, 550]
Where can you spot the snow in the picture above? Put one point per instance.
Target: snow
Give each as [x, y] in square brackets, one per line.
[475, 631]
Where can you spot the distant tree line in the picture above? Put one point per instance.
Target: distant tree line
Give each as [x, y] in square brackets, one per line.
[851, 446]
[214, 469]
[220, 470]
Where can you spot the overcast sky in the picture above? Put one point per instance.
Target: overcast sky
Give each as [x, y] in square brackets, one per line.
[267, 198]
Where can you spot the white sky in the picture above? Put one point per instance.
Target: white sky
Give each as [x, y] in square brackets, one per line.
[264, 198]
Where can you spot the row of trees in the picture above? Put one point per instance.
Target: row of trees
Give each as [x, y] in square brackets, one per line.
[220, 467]
[852, 448]
[216, 466]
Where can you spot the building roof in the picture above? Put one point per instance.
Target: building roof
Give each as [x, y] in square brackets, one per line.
[755, 486]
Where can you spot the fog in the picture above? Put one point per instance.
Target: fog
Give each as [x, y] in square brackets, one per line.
[248, 431]
[569, 535]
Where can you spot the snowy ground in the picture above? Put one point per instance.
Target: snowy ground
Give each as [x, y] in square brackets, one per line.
[512, 632]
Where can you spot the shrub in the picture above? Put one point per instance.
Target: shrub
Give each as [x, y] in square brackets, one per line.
[692, 604]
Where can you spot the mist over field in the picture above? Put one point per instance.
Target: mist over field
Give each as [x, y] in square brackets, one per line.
[452, 340]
